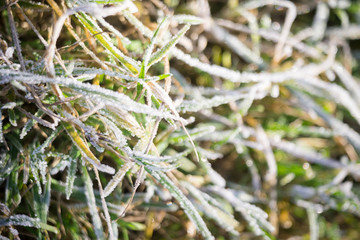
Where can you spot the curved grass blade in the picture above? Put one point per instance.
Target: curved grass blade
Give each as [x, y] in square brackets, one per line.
[91, 202]
[103, 38]
[158, 55]
[148, 51]
[26, 221]
[223, 219]
[84, 149]
[185, 204]
[74, 156]
[117, 178]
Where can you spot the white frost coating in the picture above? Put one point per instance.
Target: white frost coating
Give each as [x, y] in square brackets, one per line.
[150, 48]
[120, 138]
[320, 21]
[3, 238]
[237, 46]
[14, 231]
[100, 10]
[46, 143]
[289, 19]
[91, 202]
[185, 204]
[184, 18]
[124, 40]
[100, 94]
[35, 171]
[209, 154]
[236, 76]
[338, 94]
[155, 167]
[196, 105]
[139, 25]
[108, 40]
[199, 132]
[252, 214]
[160, 53]
[161, 94]
[211, 69]
[109, 73]
[24, 220]
[9, 105]
[124, 119]
[42, 166]
[60, 166]
[99, 166]
[224, 220]
[9, 52]
[157, 159]
[348, 80]
[215, 177]
[338, 126]
[117, 178]
[307, 154]
[70, 178]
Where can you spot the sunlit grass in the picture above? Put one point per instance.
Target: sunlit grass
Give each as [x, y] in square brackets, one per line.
[141, 121]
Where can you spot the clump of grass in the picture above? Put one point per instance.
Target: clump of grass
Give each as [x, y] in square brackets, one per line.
[129, 120]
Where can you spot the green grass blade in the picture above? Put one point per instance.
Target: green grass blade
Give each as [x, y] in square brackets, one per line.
[104, 39]
[70, 178]
[42, 202]
[26, 221]
[148, 51]
[158, 55]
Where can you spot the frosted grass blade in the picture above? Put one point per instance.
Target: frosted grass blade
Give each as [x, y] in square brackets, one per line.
[30, 123]
[139, 25]
[71, 173]
[125, 120]
[190, 19]
[158, 55]
[91, 25]
[9, 105]
[26, 221]
[185, 204]
[42, 201]
[205, 103]
[124, 40]
[91, 202]
[84, 149]
[223, 219]
[12, 117]
[98, 93]
[47, 142]
[158, 159]
[148, 51]
[117, 178]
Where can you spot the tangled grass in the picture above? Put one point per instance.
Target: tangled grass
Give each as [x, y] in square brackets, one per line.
[179, 119]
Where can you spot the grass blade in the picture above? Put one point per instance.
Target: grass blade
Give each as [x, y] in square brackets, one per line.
[158, 55]
[91, 202]
[103, 38]
[185, 204]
